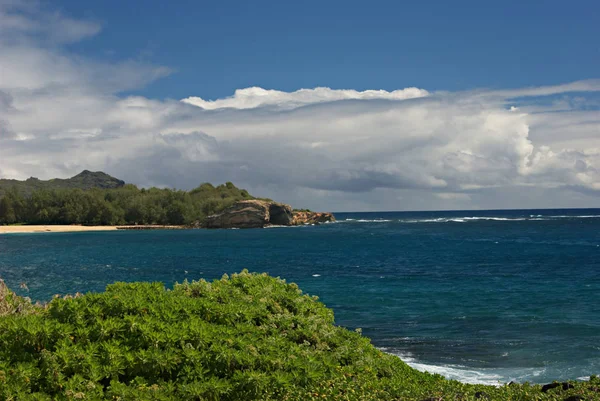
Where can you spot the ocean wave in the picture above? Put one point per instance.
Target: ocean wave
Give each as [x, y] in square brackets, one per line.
[464, 374]
[467, 219]
[462, 219]
[593, 216]
[367, 220]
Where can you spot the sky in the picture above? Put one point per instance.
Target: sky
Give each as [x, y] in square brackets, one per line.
[338, 106]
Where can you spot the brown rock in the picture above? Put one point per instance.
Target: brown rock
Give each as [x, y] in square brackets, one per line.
[242, 214]
[302, 217]
[258, 213]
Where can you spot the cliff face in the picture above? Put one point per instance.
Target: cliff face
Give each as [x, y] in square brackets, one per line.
[242, 214]
[280, 214]
[258, 214]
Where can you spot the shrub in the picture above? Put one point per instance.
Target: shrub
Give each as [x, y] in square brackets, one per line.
[244, 337]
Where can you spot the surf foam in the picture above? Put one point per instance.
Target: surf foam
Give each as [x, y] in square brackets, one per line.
[465, 374]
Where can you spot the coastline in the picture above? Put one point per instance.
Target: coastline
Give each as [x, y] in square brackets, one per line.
[31, 229]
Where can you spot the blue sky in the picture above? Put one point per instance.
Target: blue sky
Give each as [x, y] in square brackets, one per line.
[342, 106]
[217, 47]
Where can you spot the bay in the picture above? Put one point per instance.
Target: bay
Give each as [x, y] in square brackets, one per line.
[485, 297]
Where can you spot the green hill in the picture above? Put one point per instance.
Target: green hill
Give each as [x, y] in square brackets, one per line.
[84, 180]
[99, 199]
[244, 337]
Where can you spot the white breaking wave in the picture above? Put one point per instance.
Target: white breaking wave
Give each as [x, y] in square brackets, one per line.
[465, 219]
[367, 220]
[464, 374]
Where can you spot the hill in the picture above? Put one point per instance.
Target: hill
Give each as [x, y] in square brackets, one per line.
[84, 180]
[96, 198]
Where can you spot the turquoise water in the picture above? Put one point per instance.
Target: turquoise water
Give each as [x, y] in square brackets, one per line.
[488, 296]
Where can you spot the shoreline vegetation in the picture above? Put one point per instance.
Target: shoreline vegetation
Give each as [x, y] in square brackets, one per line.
[98, 200]
[246, 336]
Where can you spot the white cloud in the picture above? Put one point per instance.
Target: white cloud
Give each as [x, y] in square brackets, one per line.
[591, 85]
[257, 97]
[26, 22]
[453, 196]
[321, 148]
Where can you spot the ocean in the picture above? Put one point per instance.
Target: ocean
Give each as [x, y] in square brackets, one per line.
[479, 296]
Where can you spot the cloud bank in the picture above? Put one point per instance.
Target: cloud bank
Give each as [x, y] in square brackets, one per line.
[335, 149]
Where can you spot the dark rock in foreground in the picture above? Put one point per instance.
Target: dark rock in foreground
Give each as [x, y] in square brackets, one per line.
[259, 213]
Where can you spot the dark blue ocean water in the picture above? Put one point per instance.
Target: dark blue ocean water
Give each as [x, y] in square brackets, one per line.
[483, 296]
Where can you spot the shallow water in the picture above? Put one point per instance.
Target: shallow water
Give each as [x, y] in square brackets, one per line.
[488, 296]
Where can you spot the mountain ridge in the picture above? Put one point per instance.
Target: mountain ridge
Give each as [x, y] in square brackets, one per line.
[85, 180]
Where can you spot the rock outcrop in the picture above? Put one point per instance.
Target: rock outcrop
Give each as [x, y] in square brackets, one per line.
[242, 214]
[280, 214]
[303, 217]
[258, 213]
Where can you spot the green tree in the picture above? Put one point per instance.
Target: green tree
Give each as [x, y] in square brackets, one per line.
[7, 211]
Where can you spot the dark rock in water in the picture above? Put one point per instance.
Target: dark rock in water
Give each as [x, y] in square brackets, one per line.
[549, 386]
[280, 214]
[512, 383]
[566, 386]
[481, 394]
[575, 398]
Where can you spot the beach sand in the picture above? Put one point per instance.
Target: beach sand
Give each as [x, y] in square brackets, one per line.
[52, 229]
[75, 228]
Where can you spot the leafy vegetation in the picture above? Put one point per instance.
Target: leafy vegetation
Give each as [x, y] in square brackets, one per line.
[84, 180]
[244, 337]
[117, 206]
[12, 304]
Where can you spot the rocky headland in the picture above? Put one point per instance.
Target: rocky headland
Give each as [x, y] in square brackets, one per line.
[259, 213]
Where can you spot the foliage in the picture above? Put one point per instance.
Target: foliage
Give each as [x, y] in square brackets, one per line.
[244, 337]
[12, 304]
[117, 206]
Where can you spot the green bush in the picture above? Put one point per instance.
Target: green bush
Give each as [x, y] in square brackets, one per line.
[244, 337]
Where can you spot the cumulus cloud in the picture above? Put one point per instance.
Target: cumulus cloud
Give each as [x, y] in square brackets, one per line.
[328, 148]
[258, 97]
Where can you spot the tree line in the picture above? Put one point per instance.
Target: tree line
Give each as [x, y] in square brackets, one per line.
[128, 205]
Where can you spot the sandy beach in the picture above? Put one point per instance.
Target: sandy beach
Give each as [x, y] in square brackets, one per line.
[76, 228]
[52, 229]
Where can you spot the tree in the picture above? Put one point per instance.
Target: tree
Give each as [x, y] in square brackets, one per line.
[7, 211]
